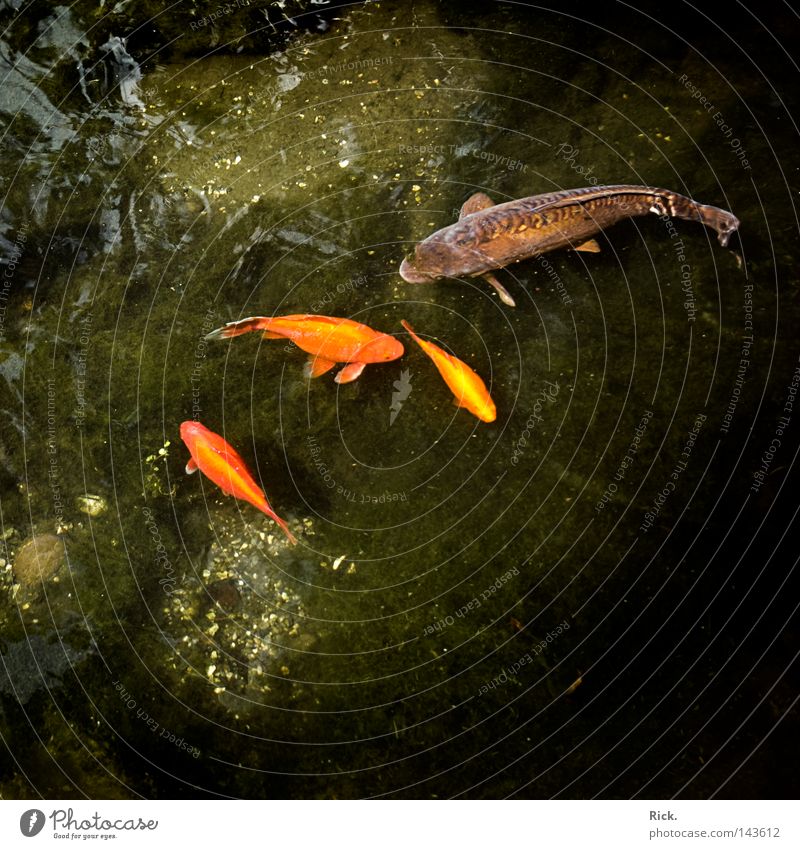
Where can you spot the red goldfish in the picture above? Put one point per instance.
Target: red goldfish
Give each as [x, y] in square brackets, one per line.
[328, 340]
[470, 391]
[219, 462]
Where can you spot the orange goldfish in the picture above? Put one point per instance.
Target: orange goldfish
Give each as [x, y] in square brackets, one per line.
[470, 391]
[219, 462]
[328, 340]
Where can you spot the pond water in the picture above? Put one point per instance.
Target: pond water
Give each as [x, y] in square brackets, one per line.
[586, 597]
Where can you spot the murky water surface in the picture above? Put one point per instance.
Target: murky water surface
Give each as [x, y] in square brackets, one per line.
[523, 607]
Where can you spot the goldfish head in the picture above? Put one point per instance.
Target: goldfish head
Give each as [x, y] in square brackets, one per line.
[380, 350]
[484, 409]
[190, 431]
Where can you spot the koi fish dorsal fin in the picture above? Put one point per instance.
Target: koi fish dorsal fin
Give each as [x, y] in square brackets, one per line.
[317, 366]
[349, 373]
[590, 246]
[475, 203]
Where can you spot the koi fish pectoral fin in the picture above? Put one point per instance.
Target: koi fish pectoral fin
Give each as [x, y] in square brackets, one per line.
[590, 246]
[475, 203]
[191, 466]
[349, 373]
[317, 366]
[501, 290]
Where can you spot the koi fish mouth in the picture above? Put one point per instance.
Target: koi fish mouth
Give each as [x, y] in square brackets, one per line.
[411, 275]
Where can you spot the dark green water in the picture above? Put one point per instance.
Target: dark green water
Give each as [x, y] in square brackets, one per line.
[453, 579]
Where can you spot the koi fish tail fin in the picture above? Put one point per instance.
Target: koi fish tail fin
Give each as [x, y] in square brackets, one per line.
[721, 220]
[237, 328]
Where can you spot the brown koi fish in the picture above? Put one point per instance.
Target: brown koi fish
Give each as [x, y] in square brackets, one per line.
[488, 235]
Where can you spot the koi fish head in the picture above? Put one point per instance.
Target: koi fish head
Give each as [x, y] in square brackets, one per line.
[431, 261]
[450, 252]
[410, 273]
[380, 350]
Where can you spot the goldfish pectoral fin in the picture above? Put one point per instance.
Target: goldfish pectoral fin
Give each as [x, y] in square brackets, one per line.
[271, 334]
[501, 290]
[317, 366]
[350, 373]
[191, 466]
[590, 246]
[475, 203]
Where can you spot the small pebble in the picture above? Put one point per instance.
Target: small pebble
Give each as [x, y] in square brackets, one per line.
[38, 559]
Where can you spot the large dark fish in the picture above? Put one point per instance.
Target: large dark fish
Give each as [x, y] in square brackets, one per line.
[489, 235]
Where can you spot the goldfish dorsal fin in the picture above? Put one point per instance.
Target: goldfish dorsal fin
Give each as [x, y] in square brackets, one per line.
[475, 203]
[317, 366]
[350, 373]
[191, 466]
[590, 247]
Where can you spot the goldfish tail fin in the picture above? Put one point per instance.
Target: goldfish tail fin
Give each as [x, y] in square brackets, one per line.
[285, 528]
[410, 329]
[237, 328]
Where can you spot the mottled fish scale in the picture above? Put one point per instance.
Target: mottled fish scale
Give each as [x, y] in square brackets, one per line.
[541, 211]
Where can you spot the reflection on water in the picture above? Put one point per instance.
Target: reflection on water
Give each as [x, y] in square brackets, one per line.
[149, 199]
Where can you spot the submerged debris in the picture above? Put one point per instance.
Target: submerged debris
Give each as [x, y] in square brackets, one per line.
[39, 559]
[91, 505]
[237, 623]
